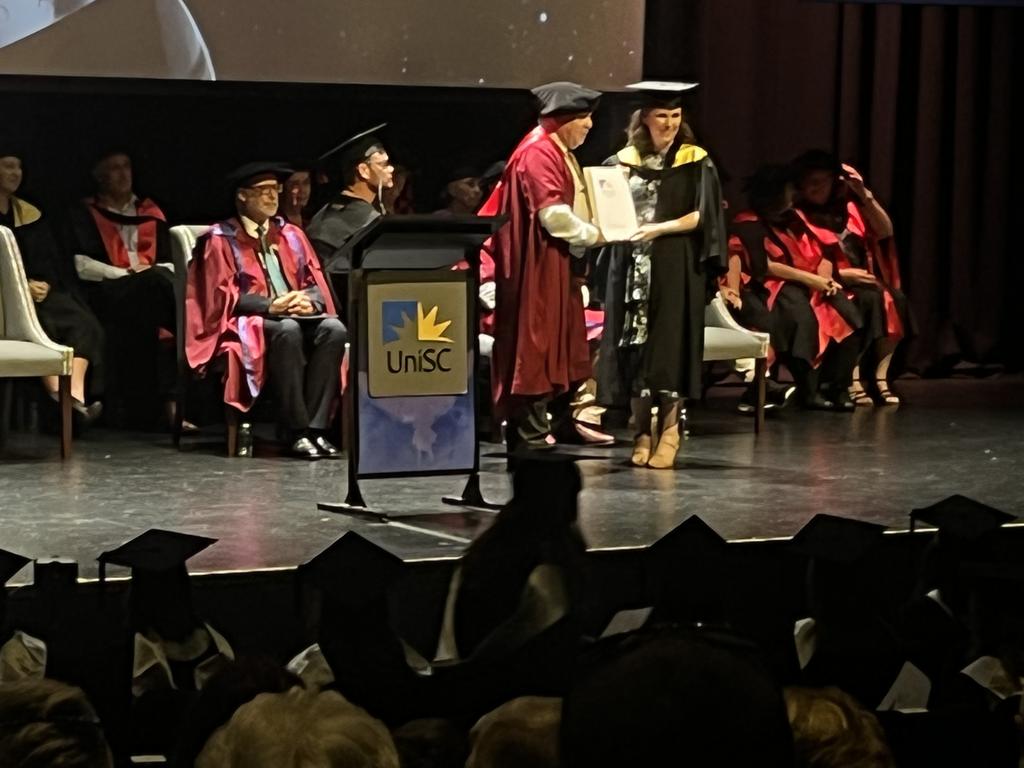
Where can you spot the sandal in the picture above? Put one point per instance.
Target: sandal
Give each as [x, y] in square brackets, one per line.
[859, 397]
[886, 395]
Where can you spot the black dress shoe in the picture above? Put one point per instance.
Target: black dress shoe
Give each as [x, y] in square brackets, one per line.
[842, 401]
[327, 450]
[303, 448]
[818, 403]
[86, 414]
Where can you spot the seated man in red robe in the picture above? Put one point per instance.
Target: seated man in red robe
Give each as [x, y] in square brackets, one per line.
[541, 354]
[122, 255]
[256, 296]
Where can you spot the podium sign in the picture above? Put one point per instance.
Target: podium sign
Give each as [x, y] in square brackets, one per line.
[416, 394]
[417, 335]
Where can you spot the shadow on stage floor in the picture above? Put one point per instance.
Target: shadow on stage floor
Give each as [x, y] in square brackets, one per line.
[950, 436]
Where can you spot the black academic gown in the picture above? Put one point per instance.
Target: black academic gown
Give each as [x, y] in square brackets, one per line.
[63, 314]
[683, 269]
[330, 231]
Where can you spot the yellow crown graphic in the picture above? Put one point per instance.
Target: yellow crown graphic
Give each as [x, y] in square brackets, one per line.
[427, 327]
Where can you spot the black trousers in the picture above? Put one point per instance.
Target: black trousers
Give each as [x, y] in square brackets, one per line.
[141, 367]
[304, 360]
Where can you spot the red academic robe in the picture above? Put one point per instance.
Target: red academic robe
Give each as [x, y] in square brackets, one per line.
[540, 336]
[110, 233]
[226, 268]
[802, 252]
[882, 261]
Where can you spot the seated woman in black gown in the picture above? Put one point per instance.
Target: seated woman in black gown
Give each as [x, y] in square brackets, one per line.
[65, 318]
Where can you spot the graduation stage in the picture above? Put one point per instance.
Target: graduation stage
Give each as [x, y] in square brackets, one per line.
[951, 436]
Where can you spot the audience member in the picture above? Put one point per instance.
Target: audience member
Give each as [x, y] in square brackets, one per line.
[431, 743]
[63, 315]
[45, 724]
[831, 730]
[522, 733]
[300, 728]
[256, 297]
[398, 198]
[692, 696]
[233, 685]
[122, 254]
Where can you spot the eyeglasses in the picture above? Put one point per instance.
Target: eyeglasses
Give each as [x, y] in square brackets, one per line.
[267, 190]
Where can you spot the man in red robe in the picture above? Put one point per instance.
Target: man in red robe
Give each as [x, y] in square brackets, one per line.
[256, 297]
[122, 256]
[541, 352]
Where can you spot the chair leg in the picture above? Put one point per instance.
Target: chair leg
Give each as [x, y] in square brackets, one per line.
[6, 390]
[231, 419]
[64, 396]
[760, 368]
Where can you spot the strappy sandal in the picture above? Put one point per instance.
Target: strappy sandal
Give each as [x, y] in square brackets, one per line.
[886, 395]
[859, 397]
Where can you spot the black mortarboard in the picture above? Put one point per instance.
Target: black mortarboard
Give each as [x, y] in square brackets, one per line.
[564, 98]
[961, 517]
[154, 551]
[691, 553]
[355, 149]
[241, 175]
[461, 172]
[837, 539]
[11, 147]
[494, 171]
[661, 94]
[353, 569]
[11, 563]
[816, 160]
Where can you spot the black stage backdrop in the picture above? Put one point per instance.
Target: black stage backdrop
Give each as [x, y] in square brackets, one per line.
[921, 100]
[924, 101]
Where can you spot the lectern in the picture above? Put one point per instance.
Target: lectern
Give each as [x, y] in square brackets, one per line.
[410, 402]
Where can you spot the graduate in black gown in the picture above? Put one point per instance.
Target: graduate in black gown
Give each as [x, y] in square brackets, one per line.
[657, 287]
[62, 313]
[365, 171]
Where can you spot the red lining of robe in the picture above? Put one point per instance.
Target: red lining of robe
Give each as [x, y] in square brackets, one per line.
[110, 233]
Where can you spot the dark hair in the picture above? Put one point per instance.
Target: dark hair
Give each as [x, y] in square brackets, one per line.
[639, 136]
[815, 160]
[765, 187]
[44, 723]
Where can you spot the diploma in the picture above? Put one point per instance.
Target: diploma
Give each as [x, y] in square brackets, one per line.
[611, 202]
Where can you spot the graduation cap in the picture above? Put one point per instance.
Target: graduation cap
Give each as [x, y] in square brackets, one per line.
[687, 575]
[155, 551]
[355, 149]
[10, 562]
[565, 98]
[461, 172]
[492, 172]
[961, 518]
[244, 174]
[816, 160]
[11, 147]
[353, 569]
[837, 539]
[661, 94]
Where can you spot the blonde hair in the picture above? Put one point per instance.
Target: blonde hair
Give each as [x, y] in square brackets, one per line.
[47, 724]
[522, 733]
[300, 729]
[831, 729]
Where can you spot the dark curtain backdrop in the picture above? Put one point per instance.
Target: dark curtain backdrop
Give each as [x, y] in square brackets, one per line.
[922, 100]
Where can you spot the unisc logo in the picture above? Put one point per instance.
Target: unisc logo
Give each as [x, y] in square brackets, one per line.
[414, 345]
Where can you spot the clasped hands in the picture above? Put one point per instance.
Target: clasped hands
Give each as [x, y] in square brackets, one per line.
[38, 290]
[292, 303]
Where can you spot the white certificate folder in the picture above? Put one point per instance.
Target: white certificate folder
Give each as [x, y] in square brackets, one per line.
[611, 202]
